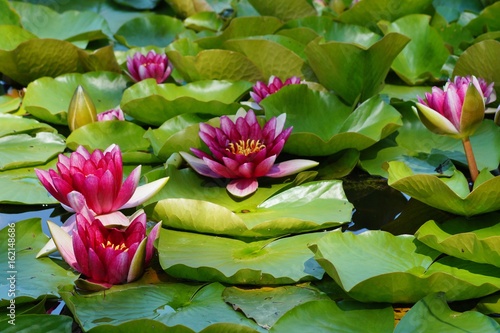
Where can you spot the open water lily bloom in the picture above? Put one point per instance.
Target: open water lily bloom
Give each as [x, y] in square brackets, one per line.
[106, 256]
[457, 109]
[150, 66]
[243, 151]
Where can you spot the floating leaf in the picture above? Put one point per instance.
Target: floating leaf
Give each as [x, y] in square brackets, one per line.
[26, 323]
[307, 111]
[450, 194]
[154, 104]
[104, 88]
[403, 269]
[440, 318]
[10, 124]
[282, 261]
[7, 14]
[157, 30]
[423, 57]
[34, 278]
[141, 4]
[13, 36]
[284, 9]
[354, 72]
[165, 306]
[474, 238]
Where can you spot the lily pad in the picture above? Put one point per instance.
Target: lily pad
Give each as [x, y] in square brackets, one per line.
[474, 238]
[423, 57]
[450, 194]
[440, 318]
[330, 316]
[307, 207]
[267, 262]
[26, 323]
[9, 104]
[13, 36]
[22, 150]
[104, 88]
[354, 72]
[284, 9]
[307, 110]
[404, 269]
[8, 15]
[167, 307]
[34, 278]
[154, 104]
[10, 124]
[157, 30]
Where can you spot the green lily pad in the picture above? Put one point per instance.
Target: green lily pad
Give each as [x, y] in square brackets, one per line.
[26, 323]
[157, 30]
[10, 124]
[480, 60]
[204, 21]
[166, 307]
[450, 194]
[486, 21]
[440, 318]
[489, 305]
[266, 305]
[267, 262]
[307, 110]
[34, 278]
[354, 72]
[22, 150]
[9, 104]
[404, 269]
[211, 64]
[101, 134]
[284, 9]
[241, 27]
[286, 56]
[423, 57]
[474, 238]
[141, 4]
[306, 207]
[104, 88]
[154, 104]
[70, 25]
[13, 36]
[21, 186]
[329, 316]
[7, 14]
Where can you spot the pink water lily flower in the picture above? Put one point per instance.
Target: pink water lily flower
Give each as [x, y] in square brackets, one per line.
[457, 109]
[150, 66]
[98, 177]
[261, 90]
[106, 256]
[113, 114]
[243, 151]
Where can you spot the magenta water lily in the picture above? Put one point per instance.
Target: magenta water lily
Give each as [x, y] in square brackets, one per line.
[150, 66]
[106, 256]
[243, 151]
[113, 114]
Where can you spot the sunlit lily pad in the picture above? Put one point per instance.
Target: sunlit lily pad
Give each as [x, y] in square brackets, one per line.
[7, 14]
[200, 257]
[35, 278]
[475, 238]
[440, 318]
[105, 90]
[306, 110]
[331, 316]
[154, 104]
[10, 124]
[450, 194]
[403, 269]
[422, 59]
[306, 207]
[284, 9]
[13, 36]
[354, 72]
[22, 150]
[167, 307]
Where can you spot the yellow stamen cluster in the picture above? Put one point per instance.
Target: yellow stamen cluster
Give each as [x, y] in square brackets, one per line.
[245, 147]
[121, 247]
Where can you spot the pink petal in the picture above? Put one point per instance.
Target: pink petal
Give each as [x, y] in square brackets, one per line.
[290, 167]
[145, 192]
[263, 167]
[219, 169]
[199, 165]
[152, 237]
[242, 187]
[114, 219]
[128, 188]
[64, 244]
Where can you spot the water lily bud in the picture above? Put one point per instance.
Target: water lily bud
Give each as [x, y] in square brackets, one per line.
[81, 110]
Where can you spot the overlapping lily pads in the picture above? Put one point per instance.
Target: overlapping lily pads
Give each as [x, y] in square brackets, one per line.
[323, 125]
[474, 238]
[404, 269]
[449, 193]
[199, 257]
[194, 203]
[154, 104]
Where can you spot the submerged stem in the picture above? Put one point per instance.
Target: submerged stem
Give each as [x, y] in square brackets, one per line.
[471, 161]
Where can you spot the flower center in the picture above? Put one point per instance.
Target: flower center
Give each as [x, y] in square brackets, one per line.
[120, 247]
[245, 147]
